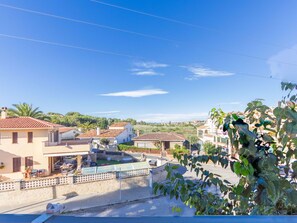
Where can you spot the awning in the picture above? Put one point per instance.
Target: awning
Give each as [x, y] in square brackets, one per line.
[66, 154]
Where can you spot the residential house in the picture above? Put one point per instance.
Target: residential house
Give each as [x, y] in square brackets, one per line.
[29, 142]
[69, 133]
[210, 133]
[168, 140]
[117, 133]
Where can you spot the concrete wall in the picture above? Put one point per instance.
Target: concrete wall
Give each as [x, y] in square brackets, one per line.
[99, 188]
[8, 150]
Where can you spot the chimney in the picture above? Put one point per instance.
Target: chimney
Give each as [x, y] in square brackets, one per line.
[137, 132]
[3, 112]
[98, 131]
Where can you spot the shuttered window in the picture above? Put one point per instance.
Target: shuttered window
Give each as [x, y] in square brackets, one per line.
[14, 137]
[29, 161]
[30, 137]
[16, 163]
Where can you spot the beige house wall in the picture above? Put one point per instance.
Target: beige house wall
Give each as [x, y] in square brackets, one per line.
[22, 149]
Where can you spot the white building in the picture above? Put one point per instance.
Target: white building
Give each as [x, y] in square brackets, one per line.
[68, 133]
[210, 133]
[120, 132]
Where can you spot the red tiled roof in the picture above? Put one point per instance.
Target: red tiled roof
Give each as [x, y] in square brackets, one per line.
[160, 136]
[109, 133]
[66, 129]
[26, 123]
[119, 124]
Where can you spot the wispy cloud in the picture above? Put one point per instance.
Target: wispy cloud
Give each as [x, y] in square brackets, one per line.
[146, 73]
[164, 117]
[230, 103]
[149, 64]
[105, 112]
[136, 93]
[285, 71]
[147, 68]
[200, 71]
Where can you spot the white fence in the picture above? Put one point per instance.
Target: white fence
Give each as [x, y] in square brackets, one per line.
[94, 177]
[71, 179]
[7, 186]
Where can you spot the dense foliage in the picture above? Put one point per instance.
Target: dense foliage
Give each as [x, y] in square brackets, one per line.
[211, 149]
[265, 140]
[24, 109]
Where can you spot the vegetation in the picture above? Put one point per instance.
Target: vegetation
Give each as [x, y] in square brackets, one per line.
[263, 138]
[123, 147]
[211, 149]
[24, 109]
[104, 141]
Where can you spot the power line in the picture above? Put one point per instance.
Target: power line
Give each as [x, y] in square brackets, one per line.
[180, 22]
[107, 52]
[88, 23]
[67, 45]
[153, 15]
[132, 32]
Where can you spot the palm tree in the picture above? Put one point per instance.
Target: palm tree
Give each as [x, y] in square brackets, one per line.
[24, 109]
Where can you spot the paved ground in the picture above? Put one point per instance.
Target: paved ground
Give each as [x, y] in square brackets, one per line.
[80, 202]
[160, 206]
[93, 203]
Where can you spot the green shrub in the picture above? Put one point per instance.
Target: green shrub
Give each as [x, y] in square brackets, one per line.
[211, 149]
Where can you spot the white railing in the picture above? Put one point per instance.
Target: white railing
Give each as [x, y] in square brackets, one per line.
[134, 173]
[7, 186]
[70, 179]
[94, 177]
[38, 183]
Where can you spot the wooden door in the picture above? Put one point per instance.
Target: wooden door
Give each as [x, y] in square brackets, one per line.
[16, 164]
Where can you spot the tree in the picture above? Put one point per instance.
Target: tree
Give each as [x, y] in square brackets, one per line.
[264, 138]
[104, 141]
[24, 109]
[211, 149]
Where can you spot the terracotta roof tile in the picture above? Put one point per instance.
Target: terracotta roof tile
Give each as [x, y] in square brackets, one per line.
[26, 123]
[109, 133]
[161, 136]
[119, 124]
[66, 129]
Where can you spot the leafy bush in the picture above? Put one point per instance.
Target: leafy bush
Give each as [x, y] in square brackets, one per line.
[211, 149]
[261, 189]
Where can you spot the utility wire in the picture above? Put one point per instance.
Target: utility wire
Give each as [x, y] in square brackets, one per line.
[66, 45]
[132, 32]
[106, 52]
[153, 15]
[88, 23]
[180, 22]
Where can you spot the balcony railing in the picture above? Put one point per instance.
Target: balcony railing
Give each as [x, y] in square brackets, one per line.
[67, 142]
[66, 147]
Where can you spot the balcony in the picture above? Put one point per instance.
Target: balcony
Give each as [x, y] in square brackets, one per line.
[66, 148]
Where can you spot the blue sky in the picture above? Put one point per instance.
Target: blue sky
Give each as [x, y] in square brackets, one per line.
[150, 60]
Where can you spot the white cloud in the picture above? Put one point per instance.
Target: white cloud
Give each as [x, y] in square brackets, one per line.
[149, 64]
[146, 73]
[287, 68]
[162, 117]
[230, 103]
[106, 112]
[136, 94]
[200, 71]
[147, 68]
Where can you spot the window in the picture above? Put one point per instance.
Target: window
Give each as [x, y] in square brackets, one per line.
[29, 161]
[30, 137]
[14, 137]
[16, 164]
